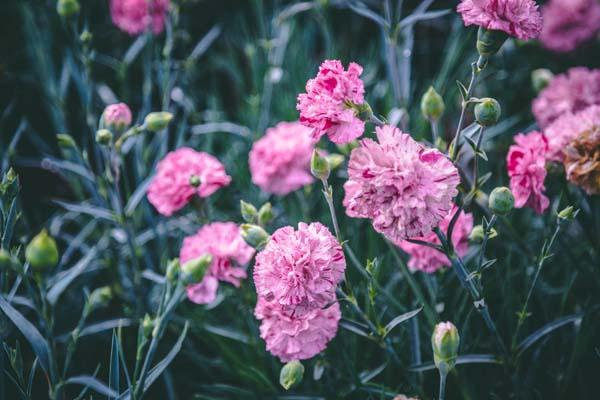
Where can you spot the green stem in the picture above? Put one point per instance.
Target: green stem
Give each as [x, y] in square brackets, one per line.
[443, 376]
[328, 192]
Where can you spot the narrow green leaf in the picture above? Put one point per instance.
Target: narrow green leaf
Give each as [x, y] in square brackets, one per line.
[92, 383]
[400, 319]
[465, 359]
[545, 330]
[114, 373]
[79, 268]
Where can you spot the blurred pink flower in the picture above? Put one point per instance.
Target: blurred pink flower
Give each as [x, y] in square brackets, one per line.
[117, 116]
[324, 107]
[280, 160]
[526, 164]
[136, 16]
[566, 128]
[429, 260]
[572, 91]
[300, 269]
[296, 336]
[405, 188]
[569, 23]
[518, 18]
[230, 254]
[172, 187]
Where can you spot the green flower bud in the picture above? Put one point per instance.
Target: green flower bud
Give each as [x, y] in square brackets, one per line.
[319, 166]
[346, 148]
[265, 214]
[249, 212]
[487, 112]
[193, 271]
[291, 374]
[172, 272]
[490, 41]
[444, 342]
[157, 121]
[104, 137]
[432, 105]
[100, 297]
[363, 111]
[86, 37]
[67, 8]
[147, 325]
[42, 252]
[66, 141]
[501, 201]
[335, 160]
[254, 235]
[568, 213]
[540, 78]
[195, 181]
[476, 235]
[5, 260]
[9, 186]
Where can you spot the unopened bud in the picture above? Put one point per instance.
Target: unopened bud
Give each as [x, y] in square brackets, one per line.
[100, 297]
[568, 213]
[157, 121]
[172, 272]
[490, 41]
[42, 253]
[254, 235]
[540, 78]
[319, 166]
[65, 141]
[265, 214]
[335, 160]
[193, 271]
[444, 342]
[67, 8]
[291, 374]
[147, 325]
[85, 37]
[9, 186]
[117, 117]
[501, 201]
[477, 234]
[487, 112]
[104, 137]
[432, 105]
[249, 212]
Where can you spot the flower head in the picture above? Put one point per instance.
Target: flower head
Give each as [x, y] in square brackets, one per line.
[182, 174]
[117, 116]
[403, 187]
[526, 164]
[280, 160]
[566, 129]
[329, 104]
[518, 18]
[230, 254]
[569, 23]
[136, 16]
[300, 269]
[582, 160]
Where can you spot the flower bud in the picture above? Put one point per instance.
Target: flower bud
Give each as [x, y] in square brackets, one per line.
[157, 121]
[568, 213]
[117, 117]
[147, 325]
[501, 201]
[9, 186]
[478, 233]
[335, 160]
[490, 41]
[346, 148]
[65, 141]
[172, 272]
[540, 78]
[67, 8]
[265, 214]
[193, 270]
[41, 253]
[5, 260]
[432, 105]
[487, 112]
[104, 137]
[319, 166]
[195, 181]
[100, 297]
[254, 235]
[445, 341]
[291, 374]
[86, 37]
[249, 212]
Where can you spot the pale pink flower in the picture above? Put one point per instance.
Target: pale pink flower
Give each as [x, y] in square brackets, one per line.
[137, 16]
[292, 336]
[526, 165]
[324, 107]
[566, 128]
[173, 185]
[280, 160]
[405, 188]
[572, 91]
[569, 23]
[230, 254]
[300, 269]
[426, 259]
[518, 18]
[117, 116]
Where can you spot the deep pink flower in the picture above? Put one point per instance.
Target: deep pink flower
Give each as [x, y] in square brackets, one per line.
[573, 91]
[280, 160]
[230, 254]
[566, 128]
[300, 269]
[569, 23]
[172, 187]
[429, 260]
[518, 18]
[526, 165]
[117, 116]
[405, 188]
[136, 16]
[324, 107]
[296, 336]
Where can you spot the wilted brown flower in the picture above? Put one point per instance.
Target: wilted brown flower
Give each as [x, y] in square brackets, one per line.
[582, 161]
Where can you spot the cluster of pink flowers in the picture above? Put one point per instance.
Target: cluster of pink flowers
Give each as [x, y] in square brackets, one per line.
[136, 16]
[426, 259]
[517, 18]
[230, 254]
[569, 23]
[280, 160]
[181, 175]
[296, 276]
[567, 127]
[329, 104]
[403, 187]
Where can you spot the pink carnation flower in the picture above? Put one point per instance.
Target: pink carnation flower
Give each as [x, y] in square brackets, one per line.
[429, 260]
[280, 160]
[296, 336]
[230, 254]
[136, 16]
[566, 128]
[569, 23]
[518, 18]
[324, 107]
[300, 269]
[526, 164]
[573, 91]
[173, 185]
[117, 116]
[405, 188]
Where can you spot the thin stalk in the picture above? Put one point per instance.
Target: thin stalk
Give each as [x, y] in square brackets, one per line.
[443, 376]
[328, 193]
[476, 162]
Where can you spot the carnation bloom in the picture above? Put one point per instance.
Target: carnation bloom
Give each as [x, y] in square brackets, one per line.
[291, 336]
[117, 116]
[582, 160]
[429, 260]
[566, 129]
[300, 269]
[182, 174]
[568, 23]
[136, 16]
[572, 91]
[329, 104]
[403, 187]
[280, 160]
[518, 18]
[526, 164]
[230, 254]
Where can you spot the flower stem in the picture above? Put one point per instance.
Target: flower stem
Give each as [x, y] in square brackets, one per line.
[443, 376]
[328, 193]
